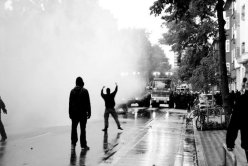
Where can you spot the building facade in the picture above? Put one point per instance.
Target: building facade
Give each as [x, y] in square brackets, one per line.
[243, 58]
[236, 42]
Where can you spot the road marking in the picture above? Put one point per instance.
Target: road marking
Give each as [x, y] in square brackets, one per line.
[125, 149]
[38, 136]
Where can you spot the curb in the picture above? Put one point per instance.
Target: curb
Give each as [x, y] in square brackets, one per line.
[180, 156]
[201, 159]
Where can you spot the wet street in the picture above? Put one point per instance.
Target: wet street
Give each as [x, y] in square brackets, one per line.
[151, 137]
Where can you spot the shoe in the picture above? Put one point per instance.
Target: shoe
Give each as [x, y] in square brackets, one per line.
[120, 128]
[73, 147]
[85, 148]
[105, 129]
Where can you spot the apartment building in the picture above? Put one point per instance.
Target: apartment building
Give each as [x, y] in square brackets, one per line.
[243, 58]
[236, 49]
[229, 17]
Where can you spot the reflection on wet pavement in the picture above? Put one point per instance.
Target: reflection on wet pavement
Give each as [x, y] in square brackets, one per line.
[2, 151]
[156, 143]
[73, 158]
[150, 137]
[108, 148]
[82, 158]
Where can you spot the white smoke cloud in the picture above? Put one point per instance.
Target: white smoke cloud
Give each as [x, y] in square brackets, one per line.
[42, 53]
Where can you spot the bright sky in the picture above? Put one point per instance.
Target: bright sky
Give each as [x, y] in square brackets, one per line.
[136, 14]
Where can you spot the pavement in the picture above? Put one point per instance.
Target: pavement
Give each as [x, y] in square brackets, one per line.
[210, 151]
[151, 137]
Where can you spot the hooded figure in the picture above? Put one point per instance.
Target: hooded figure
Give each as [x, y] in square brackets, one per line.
[79, 112]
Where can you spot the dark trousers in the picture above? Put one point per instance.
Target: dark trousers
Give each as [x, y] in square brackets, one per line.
[2, 130]
[114, 115]
[74, 136]
[232, 133]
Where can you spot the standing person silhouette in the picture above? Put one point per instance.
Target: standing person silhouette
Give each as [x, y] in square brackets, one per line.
[109, 99]
[79, 112]
[2, 130]
[239, 121]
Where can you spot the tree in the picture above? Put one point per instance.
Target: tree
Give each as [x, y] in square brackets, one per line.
[190, 40]
[200, 9]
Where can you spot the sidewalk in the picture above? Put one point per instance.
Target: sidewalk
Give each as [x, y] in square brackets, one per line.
[210, 151]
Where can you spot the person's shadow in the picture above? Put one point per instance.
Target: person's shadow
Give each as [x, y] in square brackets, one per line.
[82, 158]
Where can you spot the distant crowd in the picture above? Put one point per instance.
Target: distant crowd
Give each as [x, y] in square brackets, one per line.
[185, 99]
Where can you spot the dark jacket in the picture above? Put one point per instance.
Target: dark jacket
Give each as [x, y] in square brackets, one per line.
[79, 103]
[109, 98]
[240, 113]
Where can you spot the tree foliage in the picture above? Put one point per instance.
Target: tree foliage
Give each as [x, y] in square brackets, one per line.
[189, 38]
[201, 11]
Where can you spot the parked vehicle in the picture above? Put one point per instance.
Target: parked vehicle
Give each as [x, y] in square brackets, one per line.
[138, 101]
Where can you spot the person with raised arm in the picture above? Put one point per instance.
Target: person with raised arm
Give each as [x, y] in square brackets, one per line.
[109, 99]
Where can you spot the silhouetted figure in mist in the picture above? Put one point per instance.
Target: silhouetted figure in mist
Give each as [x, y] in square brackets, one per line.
[79, 112]
[2, 130]
[109, 99]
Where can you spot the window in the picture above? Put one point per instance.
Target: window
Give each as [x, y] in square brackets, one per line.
[233, 31]
[227, 45]
[243, 48]
[233, 8]
[233, 55]
[243, 13]
[228, 67]
[227, 25]
[234, 34]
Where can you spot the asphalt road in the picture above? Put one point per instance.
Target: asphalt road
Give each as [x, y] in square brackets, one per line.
[150, 137]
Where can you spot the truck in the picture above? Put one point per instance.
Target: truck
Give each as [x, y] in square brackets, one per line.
[160, 89]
